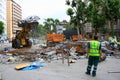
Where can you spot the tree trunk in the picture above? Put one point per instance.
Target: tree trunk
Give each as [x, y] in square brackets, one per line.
[78, 32]
[112, 27]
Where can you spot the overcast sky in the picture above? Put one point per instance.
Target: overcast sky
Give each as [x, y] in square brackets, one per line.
[44, 9]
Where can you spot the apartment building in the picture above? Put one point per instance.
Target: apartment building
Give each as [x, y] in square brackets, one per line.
[3, 14]
[14, 14]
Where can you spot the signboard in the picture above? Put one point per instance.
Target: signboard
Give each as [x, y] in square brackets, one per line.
[59, 29]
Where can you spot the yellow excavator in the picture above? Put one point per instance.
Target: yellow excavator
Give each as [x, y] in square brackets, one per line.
[22, 37]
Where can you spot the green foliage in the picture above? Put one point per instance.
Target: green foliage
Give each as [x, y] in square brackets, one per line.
[1, 27]
[78, 13]
[69, 26]
[103, 29]
[42, 30]
[70, 12]
[73, 3]
[56, 22]
[96, 1]
[51, 22]
[97, 16]
[98, 12]
[103, 10]
[112, 11]
[67, 2]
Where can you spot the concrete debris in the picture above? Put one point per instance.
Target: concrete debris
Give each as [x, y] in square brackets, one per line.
[50, 53]
[42, 53]
[73, 53]
[72, 61]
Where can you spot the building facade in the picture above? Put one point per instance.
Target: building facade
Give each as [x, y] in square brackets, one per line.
[14, 14]
[3, 14]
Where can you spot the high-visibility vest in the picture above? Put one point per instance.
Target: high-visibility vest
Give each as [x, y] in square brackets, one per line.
[112, 41]
[94, 48]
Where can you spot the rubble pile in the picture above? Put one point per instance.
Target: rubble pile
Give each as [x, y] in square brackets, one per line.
[40, 53]
[67, 50]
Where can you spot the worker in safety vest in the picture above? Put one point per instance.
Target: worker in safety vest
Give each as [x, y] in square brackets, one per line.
[94, 53]
[113, 41]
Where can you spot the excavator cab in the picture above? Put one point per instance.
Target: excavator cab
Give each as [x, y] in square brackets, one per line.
[22, 37]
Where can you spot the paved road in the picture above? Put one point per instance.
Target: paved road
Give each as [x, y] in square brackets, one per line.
[58, 71]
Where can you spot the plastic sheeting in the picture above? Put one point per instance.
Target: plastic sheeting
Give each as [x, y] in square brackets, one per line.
[33, 65]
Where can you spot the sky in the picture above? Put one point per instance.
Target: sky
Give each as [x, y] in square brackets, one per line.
[44, 9]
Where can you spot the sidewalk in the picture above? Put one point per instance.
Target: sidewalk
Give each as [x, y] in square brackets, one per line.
[58, 71]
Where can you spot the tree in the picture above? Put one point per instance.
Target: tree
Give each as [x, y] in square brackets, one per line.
[97, 16]
[97, 12]
[42, 30]
[112, 12]
[51, 23]
[69, 26]
[1, 27]
[78, 14]
[70, 12]
[47, 25]
[104, 11]
[56, 22]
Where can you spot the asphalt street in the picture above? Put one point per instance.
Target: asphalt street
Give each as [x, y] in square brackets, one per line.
[56, 70]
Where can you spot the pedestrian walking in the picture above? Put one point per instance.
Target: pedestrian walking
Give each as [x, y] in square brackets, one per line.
[94, 53]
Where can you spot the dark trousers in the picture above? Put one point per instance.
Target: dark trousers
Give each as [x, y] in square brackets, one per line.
[93, 60]
[112, 46]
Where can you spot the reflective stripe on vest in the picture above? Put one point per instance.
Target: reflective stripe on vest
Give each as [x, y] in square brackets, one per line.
[112, 41]
[94, 48]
